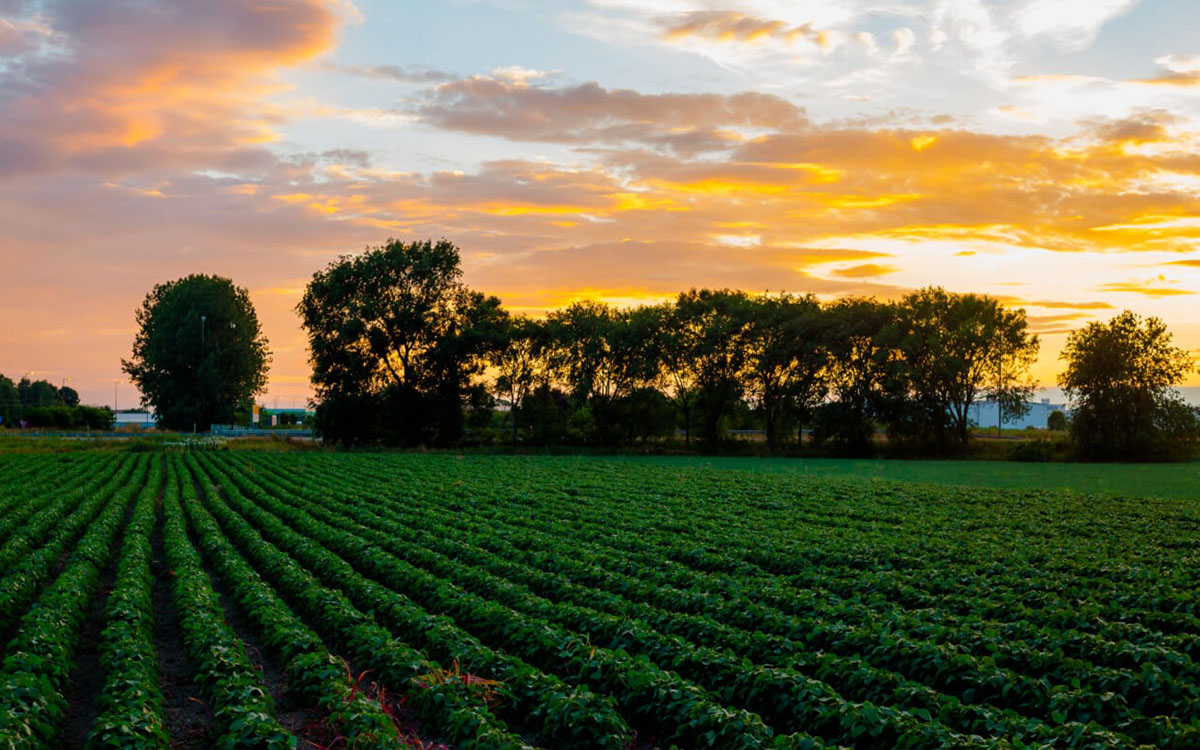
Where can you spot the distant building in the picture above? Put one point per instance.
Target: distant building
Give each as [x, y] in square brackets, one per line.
[138, 420]
[984, 414]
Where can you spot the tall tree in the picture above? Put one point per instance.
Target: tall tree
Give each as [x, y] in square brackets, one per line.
[10, 402]
[604, 354]
[857, 371]
[199, 354]
[714, 326]
[520, 364]
[786, 357]
[395, 338]
[954, 348]
[675, 342]
[1121, 378]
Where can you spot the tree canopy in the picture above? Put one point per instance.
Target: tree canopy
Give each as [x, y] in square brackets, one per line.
[69, 395]
[10, 402]
[199, 354]
[950, 349]
[395, 338]
[1121, 377]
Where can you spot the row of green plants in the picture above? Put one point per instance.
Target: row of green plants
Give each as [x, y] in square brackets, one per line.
[789, 701]
[805, 599]
[564, 716]
[24, 527]
[29, 484]
[39, 659]
[650, 697]
[517, 603]
[26, 494]
[130, 702]
[908, 562]
[1165, 684]
[427, 532]
[316, 675]
[242, 711]
[424, 531]
[31, 555]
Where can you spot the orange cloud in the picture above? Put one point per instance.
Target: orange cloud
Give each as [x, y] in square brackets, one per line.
[864, 271]
[162, 84]
[730, 26]
[1150, 288]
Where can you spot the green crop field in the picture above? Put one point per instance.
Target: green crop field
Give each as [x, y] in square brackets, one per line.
[225, 599]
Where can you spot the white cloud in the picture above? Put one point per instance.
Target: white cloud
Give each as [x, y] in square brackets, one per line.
[1180, 63]
[518, 74]
[1072, 23]
[867, 40]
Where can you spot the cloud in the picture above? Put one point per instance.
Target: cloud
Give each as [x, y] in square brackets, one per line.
[730, 26]
[136, 85]
[1058, 305]
[1179, 70]
[394, 73]
[1072, 23]
[1156, 287]
[591, 113]
[864, 271]
[1187, 263]
[21, 36]
[1044, 325]
[1143, 126]
[135, 145]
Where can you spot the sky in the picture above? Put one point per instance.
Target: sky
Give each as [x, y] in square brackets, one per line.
[1046, 152]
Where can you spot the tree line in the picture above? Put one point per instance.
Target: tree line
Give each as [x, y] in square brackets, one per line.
[40, 403]
[404, 353]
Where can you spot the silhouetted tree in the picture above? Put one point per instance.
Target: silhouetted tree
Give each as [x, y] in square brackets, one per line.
[520, 364]
[1057, 421]
[10, 403]
[603, 354]
[675, 343]
[39, 393]
[69, 395]
[199, 352]
[395, 340]
[1121, 378]
[952, 349]
[857, 368]
[714, 325]
[786, 357]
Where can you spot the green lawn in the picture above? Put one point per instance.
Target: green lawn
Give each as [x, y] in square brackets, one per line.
[1178, 480]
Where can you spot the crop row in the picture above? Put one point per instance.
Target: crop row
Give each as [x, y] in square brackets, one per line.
[1052, 703]
[648, 696]
[411, 534]
[38, 661]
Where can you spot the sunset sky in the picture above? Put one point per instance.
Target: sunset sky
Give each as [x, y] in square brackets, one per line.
[1043, 151]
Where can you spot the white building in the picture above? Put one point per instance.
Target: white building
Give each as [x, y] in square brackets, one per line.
[984, 414]
[135, 419]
